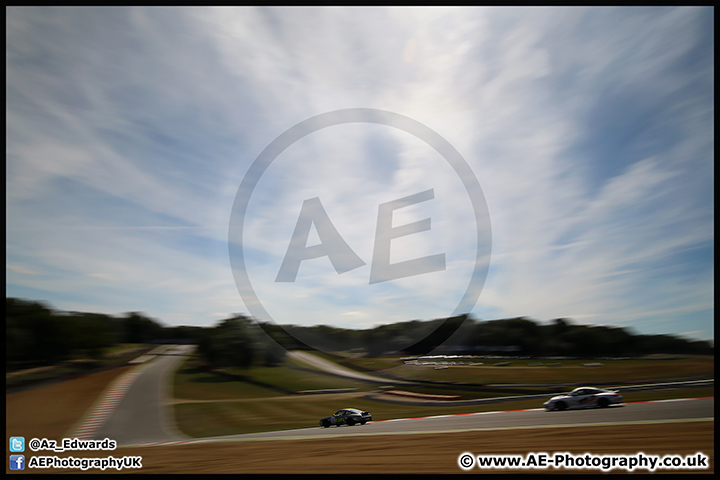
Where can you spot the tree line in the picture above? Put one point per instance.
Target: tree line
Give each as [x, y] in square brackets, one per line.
[37, 334]
[466, 335]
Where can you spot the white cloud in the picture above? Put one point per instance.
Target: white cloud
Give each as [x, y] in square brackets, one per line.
[589, 130]
[22, 270]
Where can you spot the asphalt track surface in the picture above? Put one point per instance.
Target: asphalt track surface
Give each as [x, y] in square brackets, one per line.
[649, 412]
[143, 415]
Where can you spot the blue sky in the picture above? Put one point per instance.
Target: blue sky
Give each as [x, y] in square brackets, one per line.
[590, 131]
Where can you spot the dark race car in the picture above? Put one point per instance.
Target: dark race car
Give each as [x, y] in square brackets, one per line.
[347, 416]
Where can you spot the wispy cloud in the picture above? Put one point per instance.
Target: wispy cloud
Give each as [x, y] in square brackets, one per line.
[590, 131]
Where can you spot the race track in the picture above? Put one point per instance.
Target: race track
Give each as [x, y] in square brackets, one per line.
[649, 412]
[141, 415]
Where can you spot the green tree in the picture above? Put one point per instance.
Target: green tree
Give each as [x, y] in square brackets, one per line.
[229, 344]
[138, 328]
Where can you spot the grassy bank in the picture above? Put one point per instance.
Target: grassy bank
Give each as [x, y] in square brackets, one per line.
[211, 404]
[540, 371]
[113, 357]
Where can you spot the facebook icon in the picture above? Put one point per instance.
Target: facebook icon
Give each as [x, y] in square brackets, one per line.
[17, 462]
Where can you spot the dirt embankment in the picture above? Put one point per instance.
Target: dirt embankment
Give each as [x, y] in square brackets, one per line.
[424, 453]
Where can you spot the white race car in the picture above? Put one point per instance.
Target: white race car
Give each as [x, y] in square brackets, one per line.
[584, 397]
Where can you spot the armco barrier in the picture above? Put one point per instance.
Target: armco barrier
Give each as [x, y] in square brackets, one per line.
[425, 396]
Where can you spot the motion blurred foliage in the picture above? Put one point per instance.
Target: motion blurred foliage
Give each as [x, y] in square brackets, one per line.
[465, 335]
[239, 342]
[38, 335]
[561, 337]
